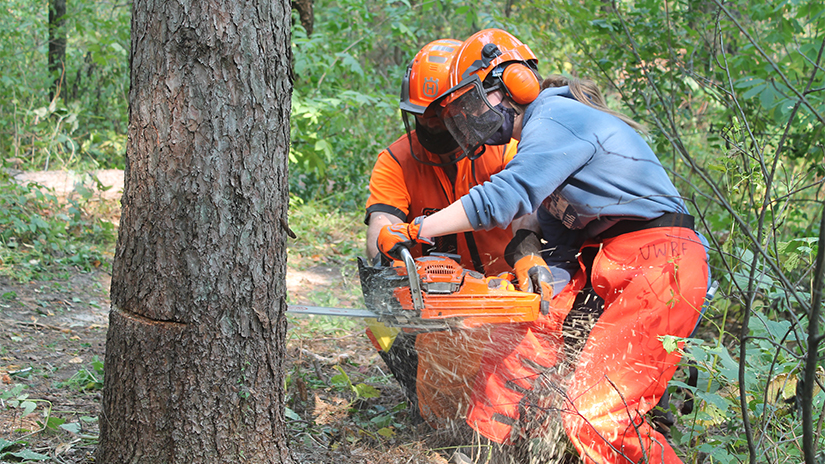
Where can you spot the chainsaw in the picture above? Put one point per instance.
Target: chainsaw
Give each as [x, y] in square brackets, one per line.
[434, 293]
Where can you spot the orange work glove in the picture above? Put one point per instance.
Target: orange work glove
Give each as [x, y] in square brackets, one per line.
[392, 237]
[523, 253]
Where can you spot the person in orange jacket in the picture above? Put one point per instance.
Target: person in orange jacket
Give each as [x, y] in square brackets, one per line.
[419, 174]
[588, 185]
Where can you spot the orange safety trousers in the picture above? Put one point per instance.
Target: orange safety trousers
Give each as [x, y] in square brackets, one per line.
[653, 283]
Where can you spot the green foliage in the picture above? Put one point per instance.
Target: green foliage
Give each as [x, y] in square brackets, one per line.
[731, 94]
[361, 390]
[324, 233]
[22, 406]
[326, 236]
[772, 372]
[364, 407]
[85, 125]
[12, 451]
[347, 83]
[15, 399]
[36, 231]
[87, 379]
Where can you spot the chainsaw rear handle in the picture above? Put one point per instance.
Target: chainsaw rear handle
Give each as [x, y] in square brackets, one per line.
[415, 281]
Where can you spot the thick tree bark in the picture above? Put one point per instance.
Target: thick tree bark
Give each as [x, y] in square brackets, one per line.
[57, 45]
[195, 349]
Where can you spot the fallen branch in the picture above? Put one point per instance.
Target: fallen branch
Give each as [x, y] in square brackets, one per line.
[36, 324]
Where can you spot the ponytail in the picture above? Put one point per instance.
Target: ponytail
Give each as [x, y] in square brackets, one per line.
[585, 91]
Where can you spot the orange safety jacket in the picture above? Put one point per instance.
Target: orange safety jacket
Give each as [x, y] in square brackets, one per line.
[446, 361]
[406, 188]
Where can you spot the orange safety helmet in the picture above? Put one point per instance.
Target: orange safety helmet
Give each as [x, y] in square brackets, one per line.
[485, 50]
[488, 60]
[427, 75]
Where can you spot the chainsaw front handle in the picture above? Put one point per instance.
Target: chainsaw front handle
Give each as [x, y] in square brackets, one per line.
[415, 281]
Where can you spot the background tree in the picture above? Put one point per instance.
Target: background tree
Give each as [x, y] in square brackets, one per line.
[195, 348]
[305, 14]
[57, 45]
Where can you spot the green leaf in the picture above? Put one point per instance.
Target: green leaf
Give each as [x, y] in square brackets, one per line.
[721, 403]
[54, 422]
[325, 147]
[603, 24]
[366, 391]
[28, 407]
[291, 415]
[779, 330]
[683, 385]
[29, 455]
[729, 368]
[6, 444]
[755, 90]
[768, 97]
[72, 427]
[351, 63]
[41, 112]
[670, 343]
[748, 82]
[340, 380]
[386, 432]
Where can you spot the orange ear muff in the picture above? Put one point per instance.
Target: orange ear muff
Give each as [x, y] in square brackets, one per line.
[521, 83]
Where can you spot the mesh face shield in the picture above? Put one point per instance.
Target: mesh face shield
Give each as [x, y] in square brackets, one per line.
[468, 115]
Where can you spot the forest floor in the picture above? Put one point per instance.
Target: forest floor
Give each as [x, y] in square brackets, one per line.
[53, 337]
[342, 404]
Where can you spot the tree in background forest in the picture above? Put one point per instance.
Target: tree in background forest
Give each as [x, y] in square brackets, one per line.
[57, 45]
[196, 340]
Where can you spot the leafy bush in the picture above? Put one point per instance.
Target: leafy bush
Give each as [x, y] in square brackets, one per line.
[773, 371]
[36, 231]
[348, 79]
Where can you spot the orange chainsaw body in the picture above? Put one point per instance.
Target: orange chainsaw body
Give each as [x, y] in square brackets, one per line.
[460, 297]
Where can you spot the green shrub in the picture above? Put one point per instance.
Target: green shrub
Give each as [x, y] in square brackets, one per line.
[37, 231]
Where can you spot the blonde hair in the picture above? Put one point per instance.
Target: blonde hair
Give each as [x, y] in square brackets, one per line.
[585, 91]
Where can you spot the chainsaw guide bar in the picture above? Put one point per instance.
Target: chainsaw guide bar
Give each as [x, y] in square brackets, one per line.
[434, 293]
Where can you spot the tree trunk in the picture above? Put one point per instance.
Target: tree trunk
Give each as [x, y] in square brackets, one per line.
[57, 45]
[305, 14]
[195, 349]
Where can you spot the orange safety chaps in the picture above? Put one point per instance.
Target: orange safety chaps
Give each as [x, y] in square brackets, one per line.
[653, 283]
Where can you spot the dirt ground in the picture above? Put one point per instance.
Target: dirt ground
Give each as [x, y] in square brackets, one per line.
[52, 340]
[50, 331]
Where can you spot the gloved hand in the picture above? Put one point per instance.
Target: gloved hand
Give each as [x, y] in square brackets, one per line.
[523, 253]
[392, 237]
